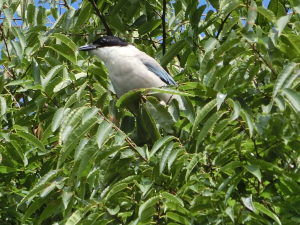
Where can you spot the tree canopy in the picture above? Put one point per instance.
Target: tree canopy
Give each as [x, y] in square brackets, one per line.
[226, 151]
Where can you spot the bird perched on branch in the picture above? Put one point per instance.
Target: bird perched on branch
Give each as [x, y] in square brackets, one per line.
[128, 67]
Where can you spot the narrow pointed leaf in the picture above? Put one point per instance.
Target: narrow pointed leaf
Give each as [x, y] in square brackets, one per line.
[173, 51]
[74, 138]
[203, 112]
[293, 97]
[267, 212]
[32, 139]
[165, 156]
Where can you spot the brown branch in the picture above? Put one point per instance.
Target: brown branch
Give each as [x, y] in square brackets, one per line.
[15, 100]
[66, 4]
[127, 139]
[108, 30]
[9, 73]
[222, 24]
[51, 99]
[164, 27]
[260, 56]
[4, 39]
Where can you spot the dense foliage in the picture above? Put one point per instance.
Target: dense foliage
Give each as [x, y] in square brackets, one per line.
[225, 150]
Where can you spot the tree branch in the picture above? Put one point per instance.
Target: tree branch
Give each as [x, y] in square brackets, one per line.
[66, 4]
[127, 139]
[15, 100]
[222, 24]
[260, 56]
[108, 30]
[164, 27]
[4, 39]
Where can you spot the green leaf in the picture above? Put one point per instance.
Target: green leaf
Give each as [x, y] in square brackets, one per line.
[266, 13]
[18, 32]
[293, 98]
[3, 108]
[146, 125]
[118, 6]
[294, 40]
[78, 215]
[130, 97]
[57, 119]
[149, 26]
[91, 112]
[70, 122]
[204, 63]
[208, 125]
[172, 198]
[173, 51]
[281, 23]
[19, 82]
[74, 138]
[203, 112]
[150, 202]
[5, 169]
[65, 51]
[231, 166]
[191, 166]
[230, 7]
[254, 169]
[62, 85]
[267, 212]
[249, 203]
[177, 218]
[210, 44]
[84, 15]
[160, 144]
[165, 156]
[32, 139]
[65, 39]
[246, 117]
[187, 107]
[252, 13]
[168, 91]
[228, 44]
[103, 131]
[160, 114]
[39, 186]
[51, 74]
[236, 111]
[8, 15]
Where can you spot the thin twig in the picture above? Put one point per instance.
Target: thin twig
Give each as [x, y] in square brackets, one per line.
[9, 73]
[260, 56]
[66, 4]
[51, 99]
[222, 24]
[15, 100]
[4, 39]
[127, 139]
[108, 30]
[164, 27]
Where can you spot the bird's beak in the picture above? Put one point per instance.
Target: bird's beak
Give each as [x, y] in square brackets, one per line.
[87, 47]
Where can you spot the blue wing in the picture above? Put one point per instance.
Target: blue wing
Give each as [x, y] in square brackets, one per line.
[159, 71]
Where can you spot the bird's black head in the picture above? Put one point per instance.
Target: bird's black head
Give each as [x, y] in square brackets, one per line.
[108, 41]
[105, 41]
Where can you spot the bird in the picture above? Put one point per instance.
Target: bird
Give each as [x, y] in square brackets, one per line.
[129, 68]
